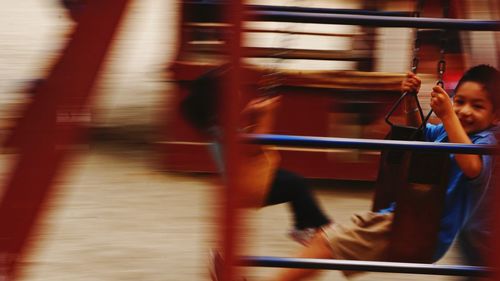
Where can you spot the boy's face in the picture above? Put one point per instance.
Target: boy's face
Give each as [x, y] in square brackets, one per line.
[473, 107]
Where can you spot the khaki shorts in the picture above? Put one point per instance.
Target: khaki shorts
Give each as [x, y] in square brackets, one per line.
[365, 237]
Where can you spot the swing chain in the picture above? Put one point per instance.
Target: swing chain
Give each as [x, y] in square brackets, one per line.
[271, 81]
[416, 43]
[416, 50]
[441, 66]
[441, 69]
[414, 67]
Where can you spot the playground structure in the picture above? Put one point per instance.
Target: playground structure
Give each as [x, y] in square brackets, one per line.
[54, 115]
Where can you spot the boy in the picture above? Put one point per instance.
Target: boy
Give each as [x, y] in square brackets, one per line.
[469, 119]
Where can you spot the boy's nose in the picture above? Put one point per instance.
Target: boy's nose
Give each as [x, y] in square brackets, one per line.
[465, 110]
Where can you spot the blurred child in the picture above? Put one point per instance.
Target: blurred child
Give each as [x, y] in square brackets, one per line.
[264, 183]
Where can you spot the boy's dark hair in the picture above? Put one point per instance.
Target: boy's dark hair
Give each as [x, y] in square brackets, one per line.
[200, 107]
[486, 75]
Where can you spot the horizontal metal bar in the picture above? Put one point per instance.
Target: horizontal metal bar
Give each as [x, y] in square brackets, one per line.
[370, 144]
[304, 9]
[371, 266]
[380, 21]
[327, 10]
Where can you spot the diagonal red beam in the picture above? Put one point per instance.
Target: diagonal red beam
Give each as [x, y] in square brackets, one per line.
[50, 125]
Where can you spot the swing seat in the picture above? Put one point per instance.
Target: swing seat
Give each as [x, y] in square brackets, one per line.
[417, 182]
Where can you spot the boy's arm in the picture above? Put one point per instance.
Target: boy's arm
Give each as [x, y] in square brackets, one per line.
[413, 117]
[470, 164]
[411, 84]
[259, 117]
[261, 114]
[259, 164]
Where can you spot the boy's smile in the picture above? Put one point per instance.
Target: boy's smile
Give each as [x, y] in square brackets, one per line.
[473, 107]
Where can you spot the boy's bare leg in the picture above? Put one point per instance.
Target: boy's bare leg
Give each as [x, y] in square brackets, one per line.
[318, 249]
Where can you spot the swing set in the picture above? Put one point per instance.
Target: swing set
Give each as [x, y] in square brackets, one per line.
[67, 90]
[412, 174]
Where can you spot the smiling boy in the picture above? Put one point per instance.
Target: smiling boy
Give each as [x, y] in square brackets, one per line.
[469, 118]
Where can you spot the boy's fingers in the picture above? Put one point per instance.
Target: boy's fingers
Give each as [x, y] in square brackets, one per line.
[438, 89]
[413, 77]
[436, 95]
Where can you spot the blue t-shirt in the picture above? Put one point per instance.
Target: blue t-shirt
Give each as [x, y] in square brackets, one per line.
[463, 194]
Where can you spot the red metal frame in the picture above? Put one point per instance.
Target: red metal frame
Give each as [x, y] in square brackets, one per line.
[231, 212]
[50, 125]
[495, 258]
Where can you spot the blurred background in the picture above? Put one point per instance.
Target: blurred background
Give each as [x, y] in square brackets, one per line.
[137, 200]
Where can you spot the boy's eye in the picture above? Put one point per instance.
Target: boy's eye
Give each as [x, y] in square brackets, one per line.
[458, 102]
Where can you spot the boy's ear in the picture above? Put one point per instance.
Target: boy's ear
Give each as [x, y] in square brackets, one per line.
[496, 118]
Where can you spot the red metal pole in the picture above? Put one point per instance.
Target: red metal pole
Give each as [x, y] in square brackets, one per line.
[50, 125]
[495, 258]
[231, 112]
